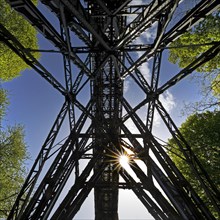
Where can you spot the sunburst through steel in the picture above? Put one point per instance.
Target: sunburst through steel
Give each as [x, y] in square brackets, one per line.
[105, 47]
[124, 160]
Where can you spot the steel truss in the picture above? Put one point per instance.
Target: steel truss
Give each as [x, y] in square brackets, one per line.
[97, 131]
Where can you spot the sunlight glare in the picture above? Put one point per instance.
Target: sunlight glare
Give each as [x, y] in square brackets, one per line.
[124, 161]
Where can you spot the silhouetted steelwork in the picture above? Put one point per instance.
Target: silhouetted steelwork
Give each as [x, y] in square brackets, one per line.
[105, 58]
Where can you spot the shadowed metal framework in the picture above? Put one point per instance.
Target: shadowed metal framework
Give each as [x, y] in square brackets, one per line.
[99, 41]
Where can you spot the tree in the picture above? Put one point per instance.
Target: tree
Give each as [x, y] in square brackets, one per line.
[13, 150]
[3, 103]
[192, 44]
[13, 153]
[10, 64]
[202, 132]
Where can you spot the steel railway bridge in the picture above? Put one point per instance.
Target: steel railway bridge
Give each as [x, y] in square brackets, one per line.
[99, 41]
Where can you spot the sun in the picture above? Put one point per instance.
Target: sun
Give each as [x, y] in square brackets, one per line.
[124, 160]
[120, 158]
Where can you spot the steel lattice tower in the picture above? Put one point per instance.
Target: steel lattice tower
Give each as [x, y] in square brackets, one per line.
[107, 55]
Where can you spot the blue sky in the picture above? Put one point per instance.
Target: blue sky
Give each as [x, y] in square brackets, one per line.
[35, 104]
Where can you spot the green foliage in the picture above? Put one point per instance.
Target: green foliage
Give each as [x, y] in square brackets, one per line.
[206, 32]
[3, 103]
[12, 156]
[216, 86]
[10, 64]
[202, 132]
[13, 151]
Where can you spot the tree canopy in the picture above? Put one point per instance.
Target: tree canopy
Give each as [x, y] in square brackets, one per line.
[10, 64]
[202, 132]
[13, 153]
[192, 44]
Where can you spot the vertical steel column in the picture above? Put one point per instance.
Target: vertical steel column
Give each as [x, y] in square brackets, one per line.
[107, 93]
[107, 89]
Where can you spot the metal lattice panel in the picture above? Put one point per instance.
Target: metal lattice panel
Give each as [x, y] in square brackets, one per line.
[98, 41]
